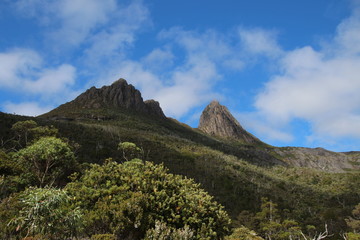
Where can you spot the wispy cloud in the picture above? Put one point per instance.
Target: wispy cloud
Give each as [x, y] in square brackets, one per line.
[185, 80]
[255, 123]
[26, 108]
[92, 35]
[112, 41]
[319, 86]
[23, 70]
[72, 21]
[258, 41]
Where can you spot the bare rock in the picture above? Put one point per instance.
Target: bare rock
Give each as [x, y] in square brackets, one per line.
[317, 158]
[119, 95]
[217, 120]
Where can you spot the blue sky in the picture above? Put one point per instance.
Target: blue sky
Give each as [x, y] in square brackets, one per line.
[288, 70]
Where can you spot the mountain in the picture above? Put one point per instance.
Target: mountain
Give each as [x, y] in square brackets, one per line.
[217, 120]
[121, 100]
[118, 96]
[315, 186]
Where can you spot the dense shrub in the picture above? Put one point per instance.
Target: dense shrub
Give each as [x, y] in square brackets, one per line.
[103, 237]
[163, 232]
[47, 213]
[127, 199]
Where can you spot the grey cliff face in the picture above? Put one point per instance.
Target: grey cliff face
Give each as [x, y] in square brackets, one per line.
[318, 158]
[217, 120]
[118, 95]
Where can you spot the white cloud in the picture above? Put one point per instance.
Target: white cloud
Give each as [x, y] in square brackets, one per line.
[52, 81]
[254, 121]
[100, 27]
[192, 86]
[158, 59]
[319, 86]
[111, 41]
[72, 20]
[347, 39]
[188, 86]
[185, 82]
[259, 41]
[15, 64]
[23, 71]
[26, 108]
[79, 17]
[210, 44]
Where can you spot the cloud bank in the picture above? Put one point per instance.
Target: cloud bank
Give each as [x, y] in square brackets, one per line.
[319, 86]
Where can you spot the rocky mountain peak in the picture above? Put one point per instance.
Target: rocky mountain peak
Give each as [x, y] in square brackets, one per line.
[118, 95]
[217, 120]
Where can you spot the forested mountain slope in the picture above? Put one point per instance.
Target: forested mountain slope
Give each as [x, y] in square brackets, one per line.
[312, 186]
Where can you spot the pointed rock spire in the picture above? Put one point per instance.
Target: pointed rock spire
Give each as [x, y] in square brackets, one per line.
[217, 120]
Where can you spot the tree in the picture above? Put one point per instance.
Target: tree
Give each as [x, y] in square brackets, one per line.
[22, 129]
[271, 225]
[10, 180]
[26, 132]
[354, 221]
[47, 212]
[130, 150]
[48, 159]
[128, 199]
[243, 233]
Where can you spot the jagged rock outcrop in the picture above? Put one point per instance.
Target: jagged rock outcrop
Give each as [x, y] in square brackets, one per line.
[119, 95]
[217, 120]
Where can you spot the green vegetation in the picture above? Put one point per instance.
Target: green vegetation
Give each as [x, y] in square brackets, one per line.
[46, 160]
[306, 199]
[47, 213]
[132, 200]
[129, 198]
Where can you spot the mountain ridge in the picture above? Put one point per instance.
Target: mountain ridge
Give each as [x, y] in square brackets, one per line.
[237, 173]
[216, 121]
[119, 95]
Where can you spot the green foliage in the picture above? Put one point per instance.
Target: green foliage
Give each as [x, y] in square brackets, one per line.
[12, 176]
[22, 129]
[103, 237]
[47, 160]
[9, 208]
[47, 212]
[161, 231]
[28, 131]
[127, 199]
[271, 225]
[236, 174]
[243, 233]
[354, 221]
[352, 236]
[6, 167]
[43, 131]
[129, 150]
